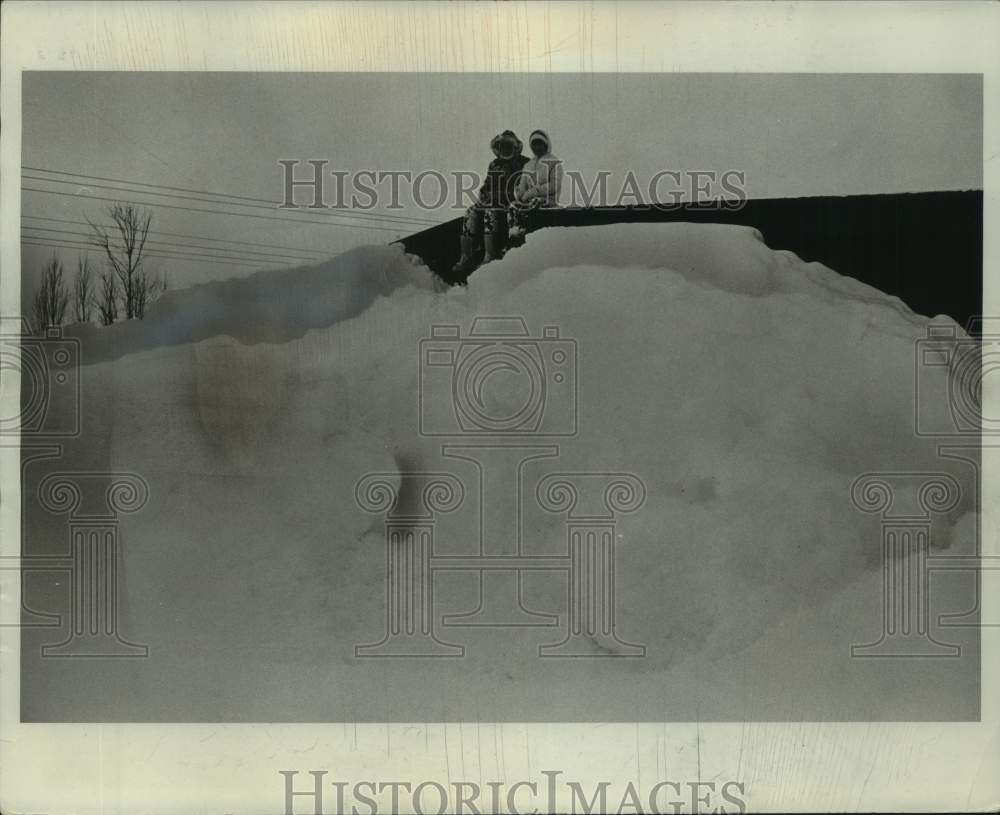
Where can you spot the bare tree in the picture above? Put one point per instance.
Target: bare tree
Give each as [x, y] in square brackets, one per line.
[123, 244]
[148, 288]
[107, 298]
[83, 289]
[51, 299]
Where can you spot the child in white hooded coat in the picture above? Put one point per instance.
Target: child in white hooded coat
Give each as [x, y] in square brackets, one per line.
[539, 184]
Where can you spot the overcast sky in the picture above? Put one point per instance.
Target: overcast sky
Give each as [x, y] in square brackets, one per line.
[792, 135]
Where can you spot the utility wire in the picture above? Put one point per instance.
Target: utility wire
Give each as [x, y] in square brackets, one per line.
[255, 203]
[320, 252]
[272, 204]
[210, 211]
[177, 243]
[89, 185]
[156, 255]
[67, 243]
[163, 254]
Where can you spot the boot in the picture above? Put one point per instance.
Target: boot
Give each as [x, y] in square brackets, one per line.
[494, 243]
[466, 263]
[515, 237]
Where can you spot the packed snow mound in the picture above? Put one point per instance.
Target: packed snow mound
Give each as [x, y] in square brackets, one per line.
[728, 258]
[746, 389]
[268, 306]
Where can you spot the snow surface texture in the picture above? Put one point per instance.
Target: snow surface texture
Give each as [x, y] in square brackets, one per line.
[269, 306]
[746, 388]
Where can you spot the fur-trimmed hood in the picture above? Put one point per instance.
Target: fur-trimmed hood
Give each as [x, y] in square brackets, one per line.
[507, 134]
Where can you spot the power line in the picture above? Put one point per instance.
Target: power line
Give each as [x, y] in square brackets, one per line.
[211, 201]
[177, 243]
[210, 211]
[66, 243]
[272, 204]
[320, 252]
[163, 254]
[157, 255]
[255, 203]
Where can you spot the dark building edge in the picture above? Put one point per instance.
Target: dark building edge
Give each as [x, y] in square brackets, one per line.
[925, 248]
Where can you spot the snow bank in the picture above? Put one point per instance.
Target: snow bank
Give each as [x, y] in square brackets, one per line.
[747, 389]
[267, 306]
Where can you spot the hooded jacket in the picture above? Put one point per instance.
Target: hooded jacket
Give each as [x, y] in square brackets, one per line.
[502, 175]
[542, 176]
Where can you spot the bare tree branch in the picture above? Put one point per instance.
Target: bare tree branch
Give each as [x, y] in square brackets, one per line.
[51, 300]
[123, 245]
[107, 298]
[83, 289]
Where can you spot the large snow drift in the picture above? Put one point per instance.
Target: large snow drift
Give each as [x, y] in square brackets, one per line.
[270, 306]
[746, 388]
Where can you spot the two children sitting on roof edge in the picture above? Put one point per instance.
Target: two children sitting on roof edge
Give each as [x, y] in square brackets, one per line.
[514, 186]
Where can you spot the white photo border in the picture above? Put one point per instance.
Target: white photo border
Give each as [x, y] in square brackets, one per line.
[91, 768]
